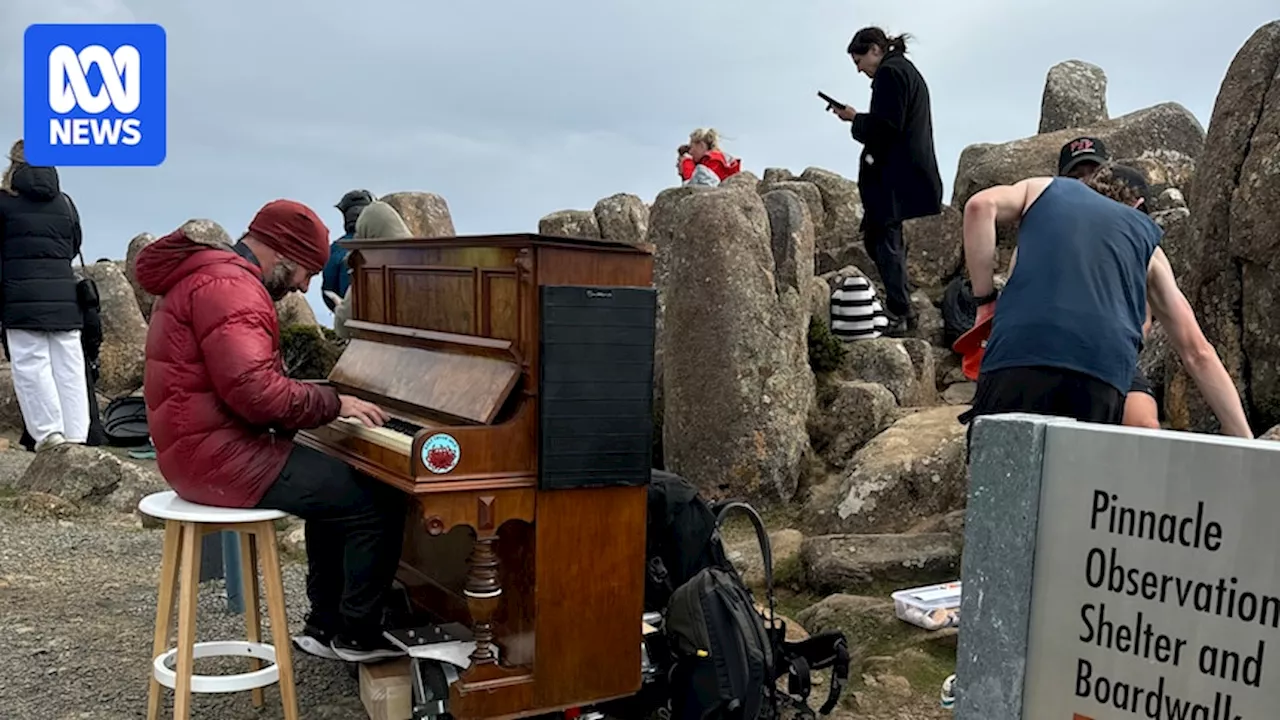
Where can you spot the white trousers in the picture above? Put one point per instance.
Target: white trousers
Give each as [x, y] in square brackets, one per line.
[49, 380]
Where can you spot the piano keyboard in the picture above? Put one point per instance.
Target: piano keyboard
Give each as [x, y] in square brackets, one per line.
[396, 434]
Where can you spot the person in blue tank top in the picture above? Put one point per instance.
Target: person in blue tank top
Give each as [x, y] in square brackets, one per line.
[1079, 158]
[1065, 339]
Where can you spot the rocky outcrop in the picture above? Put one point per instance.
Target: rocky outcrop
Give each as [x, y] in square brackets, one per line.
[934, 247]
[570, 223]
[911, 471]
[1075, 95]
[847, 416]
[295, 310]
[737, 388]
[841, 219]
[852, 563]
[622, 218]
[1235, 239]
[1167, 127]
[145, 298]
[426, 214]
[10, 412]
[124, 331]
[89, 476]
[791, 239]
[904, 366]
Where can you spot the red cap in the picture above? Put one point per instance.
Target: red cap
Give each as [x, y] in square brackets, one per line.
[293, 230]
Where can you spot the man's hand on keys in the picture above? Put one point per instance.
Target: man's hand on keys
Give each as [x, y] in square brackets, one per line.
[366, 412]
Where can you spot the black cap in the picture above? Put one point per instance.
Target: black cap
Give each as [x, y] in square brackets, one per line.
[1137, 181]
[1080, 150]
[354, 198]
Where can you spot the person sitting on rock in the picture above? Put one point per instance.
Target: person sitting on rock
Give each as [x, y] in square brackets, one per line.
[377, 221]
[1079, 159]
[222, 414]
[40, 235]
[336, 276]
[1065, 339]
[703, 162]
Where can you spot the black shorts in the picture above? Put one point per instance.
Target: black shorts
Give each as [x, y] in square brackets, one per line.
[1140, 383]
[1045, 391]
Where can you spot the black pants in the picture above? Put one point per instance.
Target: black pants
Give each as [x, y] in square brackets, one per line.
[354, 529]
[883, 242]
[1045, 391]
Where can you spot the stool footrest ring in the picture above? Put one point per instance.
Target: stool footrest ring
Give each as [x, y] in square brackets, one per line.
[163, 667]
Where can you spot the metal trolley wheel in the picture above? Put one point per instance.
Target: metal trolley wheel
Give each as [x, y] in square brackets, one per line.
[430, 691]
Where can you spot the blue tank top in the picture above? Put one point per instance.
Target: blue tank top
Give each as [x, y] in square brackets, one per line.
[1078, 294]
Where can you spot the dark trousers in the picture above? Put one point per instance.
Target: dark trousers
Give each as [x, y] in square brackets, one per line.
[1045, 391]
[883, 242]
[354, 529]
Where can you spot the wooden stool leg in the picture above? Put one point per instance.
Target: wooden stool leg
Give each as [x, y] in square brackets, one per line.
[164, 608]
[252, 620]
[187, 603]
[273, 580]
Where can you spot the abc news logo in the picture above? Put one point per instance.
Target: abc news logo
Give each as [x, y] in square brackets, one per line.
[69, 89]
[94, 95]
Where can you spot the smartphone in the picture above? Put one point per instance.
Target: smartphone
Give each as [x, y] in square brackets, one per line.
[831, 102]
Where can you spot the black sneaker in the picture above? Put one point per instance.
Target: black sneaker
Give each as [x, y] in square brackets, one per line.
[315, 641]
[365, 648]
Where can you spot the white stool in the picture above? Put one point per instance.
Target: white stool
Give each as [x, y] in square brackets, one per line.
[185, 525]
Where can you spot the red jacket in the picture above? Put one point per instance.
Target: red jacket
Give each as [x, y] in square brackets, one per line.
[220, 409]
[717, 162]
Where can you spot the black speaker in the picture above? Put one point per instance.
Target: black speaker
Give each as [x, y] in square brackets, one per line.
[595, 386]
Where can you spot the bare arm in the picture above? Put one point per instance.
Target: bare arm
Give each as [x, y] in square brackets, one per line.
[1173, 311]
[1003, 203]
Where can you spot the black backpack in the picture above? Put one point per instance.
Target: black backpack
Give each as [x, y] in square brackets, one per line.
[959, 310]
[725, 660]
[681, 538]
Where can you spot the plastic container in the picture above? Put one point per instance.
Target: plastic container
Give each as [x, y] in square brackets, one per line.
[931, 607]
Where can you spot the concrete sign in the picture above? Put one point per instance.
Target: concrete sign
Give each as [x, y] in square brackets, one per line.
[1113, 573]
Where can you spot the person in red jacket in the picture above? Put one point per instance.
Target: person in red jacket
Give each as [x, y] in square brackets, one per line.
[703, 162]
[222, 414]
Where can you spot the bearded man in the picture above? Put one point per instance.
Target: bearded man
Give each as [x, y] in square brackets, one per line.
[222, 414]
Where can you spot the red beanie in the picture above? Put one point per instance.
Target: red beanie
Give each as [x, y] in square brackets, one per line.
[293, 230]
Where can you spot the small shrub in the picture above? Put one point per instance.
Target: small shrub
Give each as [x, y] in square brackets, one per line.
[825, 351]
[309, 352]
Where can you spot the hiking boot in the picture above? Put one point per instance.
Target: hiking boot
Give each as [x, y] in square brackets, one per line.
[899, 327]
[365, 648]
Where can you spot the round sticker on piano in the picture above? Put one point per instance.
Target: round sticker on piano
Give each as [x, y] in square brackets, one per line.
[440, 453]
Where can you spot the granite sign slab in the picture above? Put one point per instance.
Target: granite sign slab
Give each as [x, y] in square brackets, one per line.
[1115, 573]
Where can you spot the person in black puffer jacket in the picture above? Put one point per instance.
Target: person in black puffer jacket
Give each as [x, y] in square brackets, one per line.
[39, 236]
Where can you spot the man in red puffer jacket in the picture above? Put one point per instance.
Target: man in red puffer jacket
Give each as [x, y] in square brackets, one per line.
[222, 414]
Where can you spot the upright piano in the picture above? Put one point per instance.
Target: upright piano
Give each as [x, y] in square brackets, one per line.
[518, 373]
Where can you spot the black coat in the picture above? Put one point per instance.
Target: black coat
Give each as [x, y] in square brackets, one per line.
[898, 172]
[39, 237]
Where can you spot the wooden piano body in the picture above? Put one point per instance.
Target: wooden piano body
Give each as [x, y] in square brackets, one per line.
[522, 447]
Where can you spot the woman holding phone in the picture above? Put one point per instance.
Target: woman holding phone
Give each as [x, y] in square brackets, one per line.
[898, 172]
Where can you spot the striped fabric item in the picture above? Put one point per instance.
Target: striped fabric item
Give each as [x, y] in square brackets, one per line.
[855, 312]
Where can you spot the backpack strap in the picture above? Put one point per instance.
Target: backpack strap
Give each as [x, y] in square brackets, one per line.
[827, 650]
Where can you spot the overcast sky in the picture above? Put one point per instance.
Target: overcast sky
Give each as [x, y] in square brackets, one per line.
[512, 110]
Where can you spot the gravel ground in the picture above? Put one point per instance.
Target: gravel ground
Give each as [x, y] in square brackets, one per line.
[77, 612]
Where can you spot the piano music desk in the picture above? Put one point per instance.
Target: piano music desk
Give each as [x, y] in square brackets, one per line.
[541, 555]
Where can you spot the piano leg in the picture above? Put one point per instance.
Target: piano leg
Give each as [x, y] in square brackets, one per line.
[483, 591]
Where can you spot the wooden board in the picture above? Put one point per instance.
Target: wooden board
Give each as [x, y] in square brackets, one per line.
[468, 387]
[589, 602]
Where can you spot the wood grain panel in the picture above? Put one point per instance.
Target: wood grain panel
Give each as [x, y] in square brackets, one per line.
[463, 386]
[590, 579]
[441, 299]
